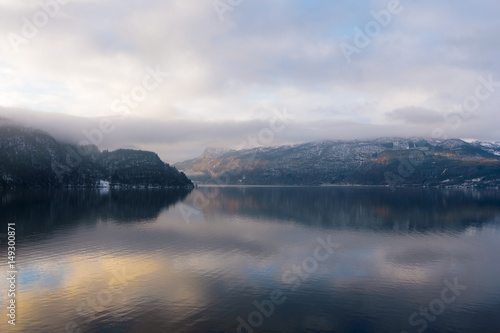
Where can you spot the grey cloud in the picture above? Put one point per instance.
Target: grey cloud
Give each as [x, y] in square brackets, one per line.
[284, 52]
[416, 115]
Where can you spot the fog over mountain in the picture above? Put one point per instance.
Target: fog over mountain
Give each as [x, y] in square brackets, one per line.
[30, 158]
[180, 140]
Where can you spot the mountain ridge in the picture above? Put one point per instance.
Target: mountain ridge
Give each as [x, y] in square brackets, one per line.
[379, 161]
[31, 158]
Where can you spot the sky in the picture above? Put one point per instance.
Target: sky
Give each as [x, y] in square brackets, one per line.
[176, 76]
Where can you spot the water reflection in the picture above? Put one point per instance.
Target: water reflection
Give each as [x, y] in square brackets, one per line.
[45, 210]
[89, 262]
[360, 208]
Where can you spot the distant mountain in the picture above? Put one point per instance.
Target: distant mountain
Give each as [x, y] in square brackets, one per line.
[383, 161]
[33, 159]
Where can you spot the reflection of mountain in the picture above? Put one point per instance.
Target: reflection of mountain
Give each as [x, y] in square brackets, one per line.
[363, 208]
[41, 210]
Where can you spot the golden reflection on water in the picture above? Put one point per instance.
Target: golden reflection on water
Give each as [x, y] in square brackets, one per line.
[87, 289]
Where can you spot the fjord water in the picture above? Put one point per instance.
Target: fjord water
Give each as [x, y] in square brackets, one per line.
[333, 259]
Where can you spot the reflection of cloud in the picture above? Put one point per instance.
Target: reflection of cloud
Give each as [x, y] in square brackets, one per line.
[177, 273]
[69, 283]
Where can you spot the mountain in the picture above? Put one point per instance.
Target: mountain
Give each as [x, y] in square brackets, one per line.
[33, 159]
[383, 161]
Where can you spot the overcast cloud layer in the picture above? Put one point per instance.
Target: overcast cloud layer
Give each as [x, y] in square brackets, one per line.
[226, 78]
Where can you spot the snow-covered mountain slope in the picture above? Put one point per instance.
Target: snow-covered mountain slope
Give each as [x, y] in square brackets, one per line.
[379, 161]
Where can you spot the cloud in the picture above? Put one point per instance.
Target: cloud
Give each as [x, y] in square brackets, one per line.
[416, 115]
[226, 76]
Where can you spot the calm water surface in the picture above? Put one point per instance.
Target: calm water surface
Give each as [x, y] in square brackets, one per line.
[255, 260]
